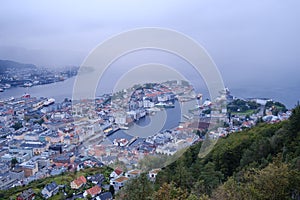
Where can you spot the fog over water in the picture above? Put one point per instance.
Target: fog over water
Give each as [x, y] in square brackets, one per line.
[254, 43]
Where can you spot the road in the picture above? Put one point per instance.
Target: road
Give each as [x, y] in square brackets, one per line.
[261, 111]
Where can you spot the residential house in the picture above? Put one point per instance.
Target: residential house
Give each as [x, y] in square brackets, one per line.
[133, 173]
[26, 195]
[118, 182]
[50, 190]
[153, 173]
[92, 191]
[105, 196]
[77, 183]
[116, 173]
[96, 179]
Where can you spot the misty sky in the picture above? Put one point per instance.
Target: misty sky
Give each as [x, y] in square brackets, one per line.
[248, 40]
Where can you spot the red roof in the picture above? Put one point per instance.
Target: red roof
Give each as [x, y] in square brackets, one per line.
[118, 171]
[94, 190]
[153, 94]
[121, 179]
[80, 181]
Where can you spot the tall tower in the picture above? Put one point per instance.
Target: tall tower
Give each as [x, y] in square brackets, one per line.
[199, 99]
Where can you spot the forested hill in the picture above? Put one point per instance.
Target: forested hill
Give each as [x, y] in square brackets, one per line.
[259, 163]
[7, 64]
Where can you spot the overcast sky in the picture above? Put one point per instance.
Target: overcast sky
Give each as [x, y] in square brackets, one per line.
[251, 38]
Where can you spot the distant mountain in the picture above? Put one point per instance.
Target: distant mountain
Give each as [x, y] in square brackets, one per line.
[5, 64]
[43, 57]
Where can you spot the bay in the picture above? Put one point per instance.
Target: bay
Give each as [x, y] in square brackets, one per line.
[287, 94]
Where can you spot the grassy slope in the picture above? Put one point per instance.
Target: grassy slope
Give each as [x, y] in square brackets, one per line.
[63, 179]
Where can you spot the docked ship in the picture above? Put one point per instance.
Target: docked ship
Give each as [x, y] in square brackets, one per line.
[26, 95]
[165, 105]
[28, 84]
[49, 102]
[109, 131]
[7, 86]
[124, 127]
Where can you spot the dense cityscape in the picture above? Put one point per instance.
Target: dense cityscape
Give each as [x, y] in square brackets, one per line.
[149, 100]
[41, 137]
[14, 74]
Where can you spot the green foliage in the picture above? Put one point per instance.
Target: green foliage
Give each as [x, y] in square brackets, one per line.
[240, 106]
[207, 111]
[139, 188]
[17, 125]
[294, 120]
[170, 192]
[111, 190]
[211, 178]
[235, 156]
[276, 107]
[13, 162]
[276, 181]
[64, 179]
[89, 197]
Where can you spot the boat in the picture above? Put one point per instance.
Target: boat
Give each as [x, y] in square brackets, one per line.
[28, 84]
[1, 90]
[49, 102]
[7, 86]
[26, 95]
[165, 105]
[110, 131]
[123, 127]
[170, 105]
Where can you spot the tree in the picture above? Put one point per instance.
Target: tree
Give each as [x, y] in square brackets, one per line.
[17, 125]
[14, 162]
[170, 192]
[276, 181]
[192, 197]
[139, 188]
[89, 197]
[294, 120]
[229, 190]
[112, 190]
[40, 121]
[181, 175]
[211, 178]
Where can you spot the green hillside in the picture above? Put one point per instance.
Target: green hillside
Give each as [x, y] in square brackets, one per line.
[259, 163]
[64, 179]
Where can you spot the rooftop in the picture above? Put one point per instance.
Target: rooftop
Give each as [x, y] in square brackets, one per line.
[121, 179]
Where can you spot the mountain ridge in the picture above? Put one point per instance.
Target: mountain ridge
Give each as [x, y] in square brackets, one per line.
[10, 64]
